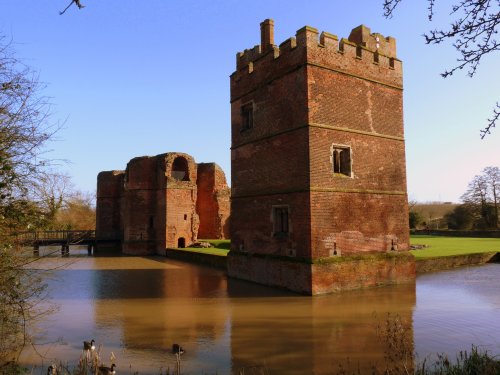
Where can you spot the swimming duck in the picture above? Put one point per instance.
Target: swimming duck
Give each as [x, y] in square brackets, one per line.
[103, 370]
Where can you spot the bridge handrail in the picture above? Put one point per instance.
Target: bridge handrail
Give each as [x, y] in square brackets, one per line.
[56, 235]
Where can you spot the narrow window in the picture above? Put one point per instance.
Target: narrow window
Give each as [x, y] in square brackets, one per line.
[341, 160]
[247, 117]
[151, 222]
[280, 220]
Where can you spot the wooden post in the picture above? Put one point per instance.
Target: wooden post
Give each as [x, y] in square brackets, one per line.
[36, 249]
[89, 249]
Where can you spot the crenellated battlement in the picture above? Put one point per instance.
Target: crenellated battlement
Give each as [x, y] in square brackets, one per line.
[370, 55]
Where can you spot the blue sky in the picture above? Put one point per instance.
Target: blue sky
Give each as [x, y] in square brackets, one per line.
[133, 78]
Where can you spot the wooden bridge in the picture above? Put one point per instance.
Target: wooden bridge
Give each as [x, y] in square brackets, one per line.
[63, 238]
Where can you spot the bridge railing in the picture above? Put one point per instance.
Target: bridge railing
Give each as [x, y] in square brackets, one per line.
[56, 235]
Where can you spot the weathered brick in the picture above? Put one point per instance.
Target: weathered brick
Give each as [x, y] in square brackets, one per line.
[309, 96]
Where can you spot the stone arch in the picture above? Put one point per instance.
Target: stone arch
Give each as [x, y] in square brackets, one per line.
[181, 242]
[180, 169]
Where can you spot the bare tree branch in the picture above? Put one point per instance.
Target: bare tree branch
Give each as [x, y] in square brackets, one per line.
[491, 122]
[78, 4]
[472, 32]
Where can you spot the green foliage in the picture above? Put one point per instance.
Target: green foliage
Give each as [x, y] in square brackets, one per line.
[475, 362]
[415, 219]
[447, 246]
[461, 218]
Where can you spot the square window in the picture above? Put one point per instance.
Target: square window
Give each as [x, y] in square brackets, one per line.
[247, 116]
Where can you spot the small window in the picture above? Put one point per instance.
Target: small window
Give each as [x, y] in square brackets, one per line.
[341, 160]
[280, 220]
[247, 117]
[151, 222]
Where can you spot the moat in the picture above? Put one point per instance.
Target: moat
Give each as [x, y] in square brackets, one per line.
[137, 307]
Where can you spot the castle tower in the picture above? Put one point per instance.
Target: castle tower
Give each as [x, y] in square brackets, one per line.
[319, 199]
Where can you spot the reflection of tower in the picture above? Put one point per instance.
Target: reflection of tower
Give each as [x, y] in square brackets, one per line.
[290, 335]
[319, 197]
[156, 304]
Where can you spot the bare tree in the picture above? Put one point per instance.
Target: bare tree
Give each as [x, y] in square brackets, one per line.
[50, 192]
[472, 31]
[482, 197]
[24, 131]
[492, 176]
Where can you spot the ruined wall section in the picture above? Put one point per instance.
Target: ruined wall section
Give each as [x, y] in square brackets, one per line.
[109, 225]
[213, 202]
[139, 206]
[182, 221]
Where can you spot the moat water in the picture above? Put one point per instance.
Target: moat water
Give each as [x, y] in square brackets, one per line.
[137, 307]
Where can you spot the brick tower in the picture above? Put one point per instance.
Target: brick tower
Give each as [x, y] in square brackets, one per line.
[319, 198]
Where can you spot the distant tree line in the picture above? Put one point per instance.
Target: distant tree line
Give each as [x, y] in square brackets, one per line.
[478, 210]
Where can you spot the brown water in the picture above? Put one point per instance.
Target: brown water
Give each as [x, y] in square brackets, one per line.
[137, 307]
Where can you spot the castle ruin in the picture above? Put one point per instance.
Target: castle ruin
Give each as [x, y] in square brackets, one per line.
[159, 202]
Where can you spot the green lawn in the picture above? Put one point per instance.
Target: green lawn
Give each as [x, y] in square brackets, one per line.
[441, 246]
[221, 247]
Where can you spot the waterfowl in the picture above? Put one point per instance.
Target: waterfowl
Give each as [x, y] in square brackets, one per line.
[52, 370]
[103, 370]
[89, 345]
[176, 348]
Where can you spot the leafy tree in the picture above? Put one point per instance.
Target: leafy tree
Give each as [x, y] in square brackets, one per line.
[460, 218]
[415, 219]
[472, 31]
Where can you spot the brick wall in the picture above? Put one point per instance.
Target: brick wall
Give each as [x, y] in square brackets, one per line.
[213, 202]
[153, 204]
[311, 95]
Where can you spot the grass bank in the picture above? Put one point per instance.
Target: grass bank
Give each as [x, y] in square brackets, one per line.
[451, 246]
[220, 248]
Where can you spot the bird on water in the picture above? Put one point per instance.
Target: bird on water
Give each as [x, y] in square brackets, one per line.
[89, 345]
[52, 370]
[177, 349]
[103, 370]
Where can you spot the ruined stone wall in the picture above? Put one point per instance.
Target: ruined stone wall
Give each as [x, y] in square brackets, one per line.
[109, 225]
[140, 206]
[213, 202]
[181, 217]
[153, 204]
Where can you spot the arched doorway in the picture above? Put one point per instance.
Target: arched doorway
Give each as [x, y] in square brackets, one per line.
[181, 243]
[180, 169]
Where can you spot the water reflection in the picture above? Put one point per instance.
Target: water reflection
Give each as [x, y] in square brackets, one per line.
[138, 307]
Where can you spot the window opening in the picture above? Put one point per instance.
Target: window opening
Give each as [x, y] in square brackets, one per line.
[151, 222]
[180, 170]
[247, 116]
[341, 160]
[280, 220]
